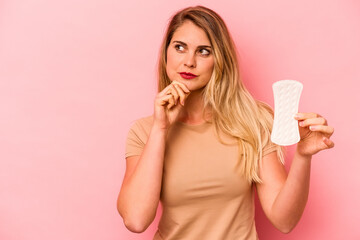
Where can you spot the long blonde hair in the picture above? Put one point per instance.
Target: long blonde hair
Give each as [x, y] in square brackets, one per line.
[234, 111]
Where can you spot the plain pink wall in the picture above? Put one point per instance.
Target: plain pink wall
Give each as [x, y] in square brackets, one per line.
[74, 74]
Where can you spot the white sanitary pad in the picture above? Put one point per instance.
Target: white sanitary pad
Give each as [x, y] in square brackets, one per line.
[286, 98]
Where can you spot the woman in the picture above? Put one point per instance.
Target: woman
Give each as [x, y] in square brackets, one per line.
[207, 145]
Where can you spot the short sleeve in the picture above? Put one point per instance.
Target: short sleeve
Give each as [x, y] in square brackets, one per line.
[137, 137]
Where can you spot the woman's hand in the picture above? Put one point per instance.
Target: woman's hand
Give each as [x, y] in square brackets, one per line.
[168, 104]
[314, 134]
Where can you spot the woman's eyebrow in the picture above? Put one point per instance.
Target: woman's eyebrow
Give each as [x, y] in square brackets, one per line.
[200, 46]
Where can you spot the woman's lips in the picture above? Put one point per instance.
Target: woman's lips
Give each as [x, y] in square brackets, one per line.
[187, 75]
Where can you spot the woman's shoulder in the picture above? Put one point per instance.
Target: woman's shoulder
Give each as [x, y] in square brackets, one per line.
[143, 123]
[137, 135]
[147, 120]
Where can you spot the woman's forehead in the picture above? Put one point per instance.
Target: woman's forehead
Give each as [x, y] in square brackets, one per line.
[191, 34]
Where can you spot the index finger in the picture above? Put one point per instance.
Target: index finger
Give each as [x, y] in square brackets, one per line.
[302, 116]
[165, 90]
[183, 86]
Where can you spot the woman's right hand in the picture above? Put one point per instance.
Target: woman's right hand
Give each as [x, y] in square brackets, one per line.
[168, 104]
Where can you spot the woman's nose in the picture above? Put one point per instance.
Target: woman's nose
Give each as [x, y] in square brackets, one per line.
[190, 60]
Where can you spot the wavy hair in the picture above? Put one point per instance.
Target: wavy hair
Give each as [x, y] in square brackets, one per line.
[234, 111]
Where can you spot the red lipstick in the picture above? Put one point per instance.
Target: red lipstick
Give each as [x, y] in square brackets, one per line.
[187, 75]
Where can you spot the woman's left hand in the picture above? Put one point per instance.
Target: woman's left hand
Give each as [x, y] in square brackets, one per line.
[314, 134]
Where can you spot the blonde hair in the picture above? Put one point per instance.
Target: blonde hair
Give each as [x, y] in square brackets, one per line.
[234, 111]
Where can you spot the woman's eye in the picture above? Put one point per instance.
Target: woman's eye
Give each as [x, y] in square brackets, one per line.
[179, 48]
[204, 52]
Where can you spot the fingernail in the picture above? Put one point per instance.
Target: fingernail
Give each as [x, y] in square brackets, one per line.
[301, 124]
[297, 115]
[182, 102]
[312, 127]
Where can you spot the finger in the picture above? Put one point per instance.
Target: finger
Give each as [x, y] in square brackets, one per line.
[171, 101]
[328, 142]
[181, 93]
[165, 100]
[175, 93]
[321, 128]
[165, 91]
[303, 116]
[313, 121]
[183, 86]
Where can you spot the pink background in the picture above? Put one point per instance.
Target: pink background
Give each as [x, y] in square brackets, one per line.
[74, 74]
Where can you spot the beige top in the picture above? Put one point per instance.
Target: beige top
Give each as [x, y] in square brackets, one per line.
[203, 196]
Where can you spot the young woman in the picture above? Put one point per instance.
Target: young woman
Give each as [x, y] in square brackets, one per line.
[207, 145]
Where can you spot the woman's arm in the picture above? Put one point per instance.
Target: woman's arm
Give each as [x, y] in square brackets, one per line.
[283, 197]
[140, 192]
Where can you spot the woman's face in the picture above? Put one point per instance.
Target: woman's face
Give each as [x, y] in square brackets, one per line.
[190, 57]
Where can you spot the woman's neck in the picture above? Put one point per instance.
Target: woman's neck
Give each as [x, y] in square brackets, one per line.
[192, 112]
